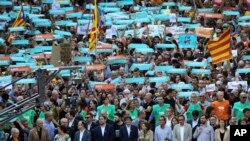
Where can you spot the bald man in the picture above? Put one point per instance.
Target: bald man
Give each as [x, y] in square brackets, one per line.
[39, 133]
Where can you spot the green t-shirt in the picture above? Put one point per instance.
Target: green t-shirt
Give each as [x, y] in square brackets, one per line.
[133, 114]
[159, 111]
[238, 109]
[191, 108]
[110, 109]
[42, 115]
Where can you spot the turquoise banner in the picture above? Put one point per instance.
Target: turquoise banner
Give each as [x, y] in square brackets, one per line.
[142, 67]
[137, 80]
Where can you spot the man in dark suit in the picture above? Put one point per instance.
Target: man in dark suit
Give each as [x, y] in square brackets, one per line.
[73, 122]
[128, 132]
[82, 134]
[194, 122]
[103, 132]
[90, 123]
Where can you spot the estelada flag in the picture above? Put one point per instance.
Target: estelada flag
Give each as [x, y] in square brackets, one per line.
[94, 31]
[20, 21]
[220, 49]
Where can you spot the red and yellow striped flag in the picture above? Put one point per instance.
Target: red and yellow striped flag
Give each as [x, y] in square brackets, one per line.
[220, 49]
[94, 31]
[18, 22]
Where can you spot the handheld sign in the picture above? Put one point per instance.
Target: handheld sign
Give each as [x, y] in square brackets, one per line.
[95, 67]
[158, 79]
[165, 46]
[27, 81]
[177, 71]
[137, 80]
[142, 67]
[187, 94]
[188, 41]
[181, 86]
[104, 87]
[201, 71]
[204, 32]
[19, 69]
[120, 59]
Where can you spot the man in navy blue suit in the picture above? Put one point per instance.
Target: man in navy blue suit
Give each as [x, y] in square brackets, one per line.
[103, 132]
[128, 132]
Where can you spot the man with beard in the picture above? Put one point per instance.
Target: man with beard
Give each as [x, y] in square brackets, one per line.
[103, 132]
[204, 132]
[118, 124]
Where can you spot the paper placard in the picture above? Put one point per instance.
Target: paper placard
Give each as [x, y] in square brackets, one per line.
[63, 2]
[63, 22]
[45, 36]
[19, 69]
[196, 64]
[192, 26]
[7, 78]
[161, 17]
[4, 62]
[177, 71]
[185, 8]
[20, 42]
[181, 86]
[243, 18]
[187, 94]
[244, 70]
[163, 68]
[213, 15]
[116, 81]
[65, 73]
[172, 17]
[235, 53]
[95, 67]
[15, 29]
[4, 57]
[244, 24]
[137, 80]
[65, 52]
[5, 3]
[17, 59]
[108, 4]
[82, 59]
[165, 45]
[43, 24]
[126, 22]
[47, 1]
[144, 50]
[184, 19]
[83, 22]
[104, 46]
[120, 59]
[188, 41]
[60, 32]
[141, 67]
[27, 81]
[74, 15]
[67, 9]
[151, 73]
[138, 46]
[209, 10]
[5, 17]
[104, 87]
[168, 4]
[245, 57]
[204, 32]
[41, 56]
[201, 71]
[231, 13]
[233, 85]
[159, 79]
[210, 88]
[176, 30]
[56, 12]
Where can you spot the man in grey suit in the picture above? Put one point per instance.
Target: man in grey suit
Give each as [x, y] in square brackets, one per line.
[82, 134]
[182, 131]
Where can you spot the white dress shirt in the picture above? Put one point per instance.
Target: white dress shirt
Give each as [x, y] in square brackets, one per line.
[194, 123]
[81, 135]
[103, 129]
[128, 129]
[71, 122]
[182, 133]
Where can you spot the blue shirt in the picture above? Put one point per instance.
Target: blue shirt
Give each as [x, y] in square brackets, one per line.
[206, 133]
[162, 133]
[51, 129]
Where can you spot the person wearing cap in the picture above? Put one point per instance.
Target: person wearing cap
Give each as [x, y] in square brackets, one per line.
[240, 106]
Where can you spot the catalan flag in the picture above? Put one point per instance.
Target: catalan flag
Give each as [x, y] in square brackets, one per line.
[220, 49]
[94, 31]
[20, 21]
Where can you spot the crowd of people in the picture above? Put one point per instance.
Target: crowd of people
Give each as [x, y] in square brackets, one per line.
[147, 89]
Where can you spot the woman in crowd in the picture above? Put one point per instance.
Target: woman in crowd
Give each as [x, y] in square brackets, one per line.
[222, 132]
[146, 134]
[62, 135]
[14, 135]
